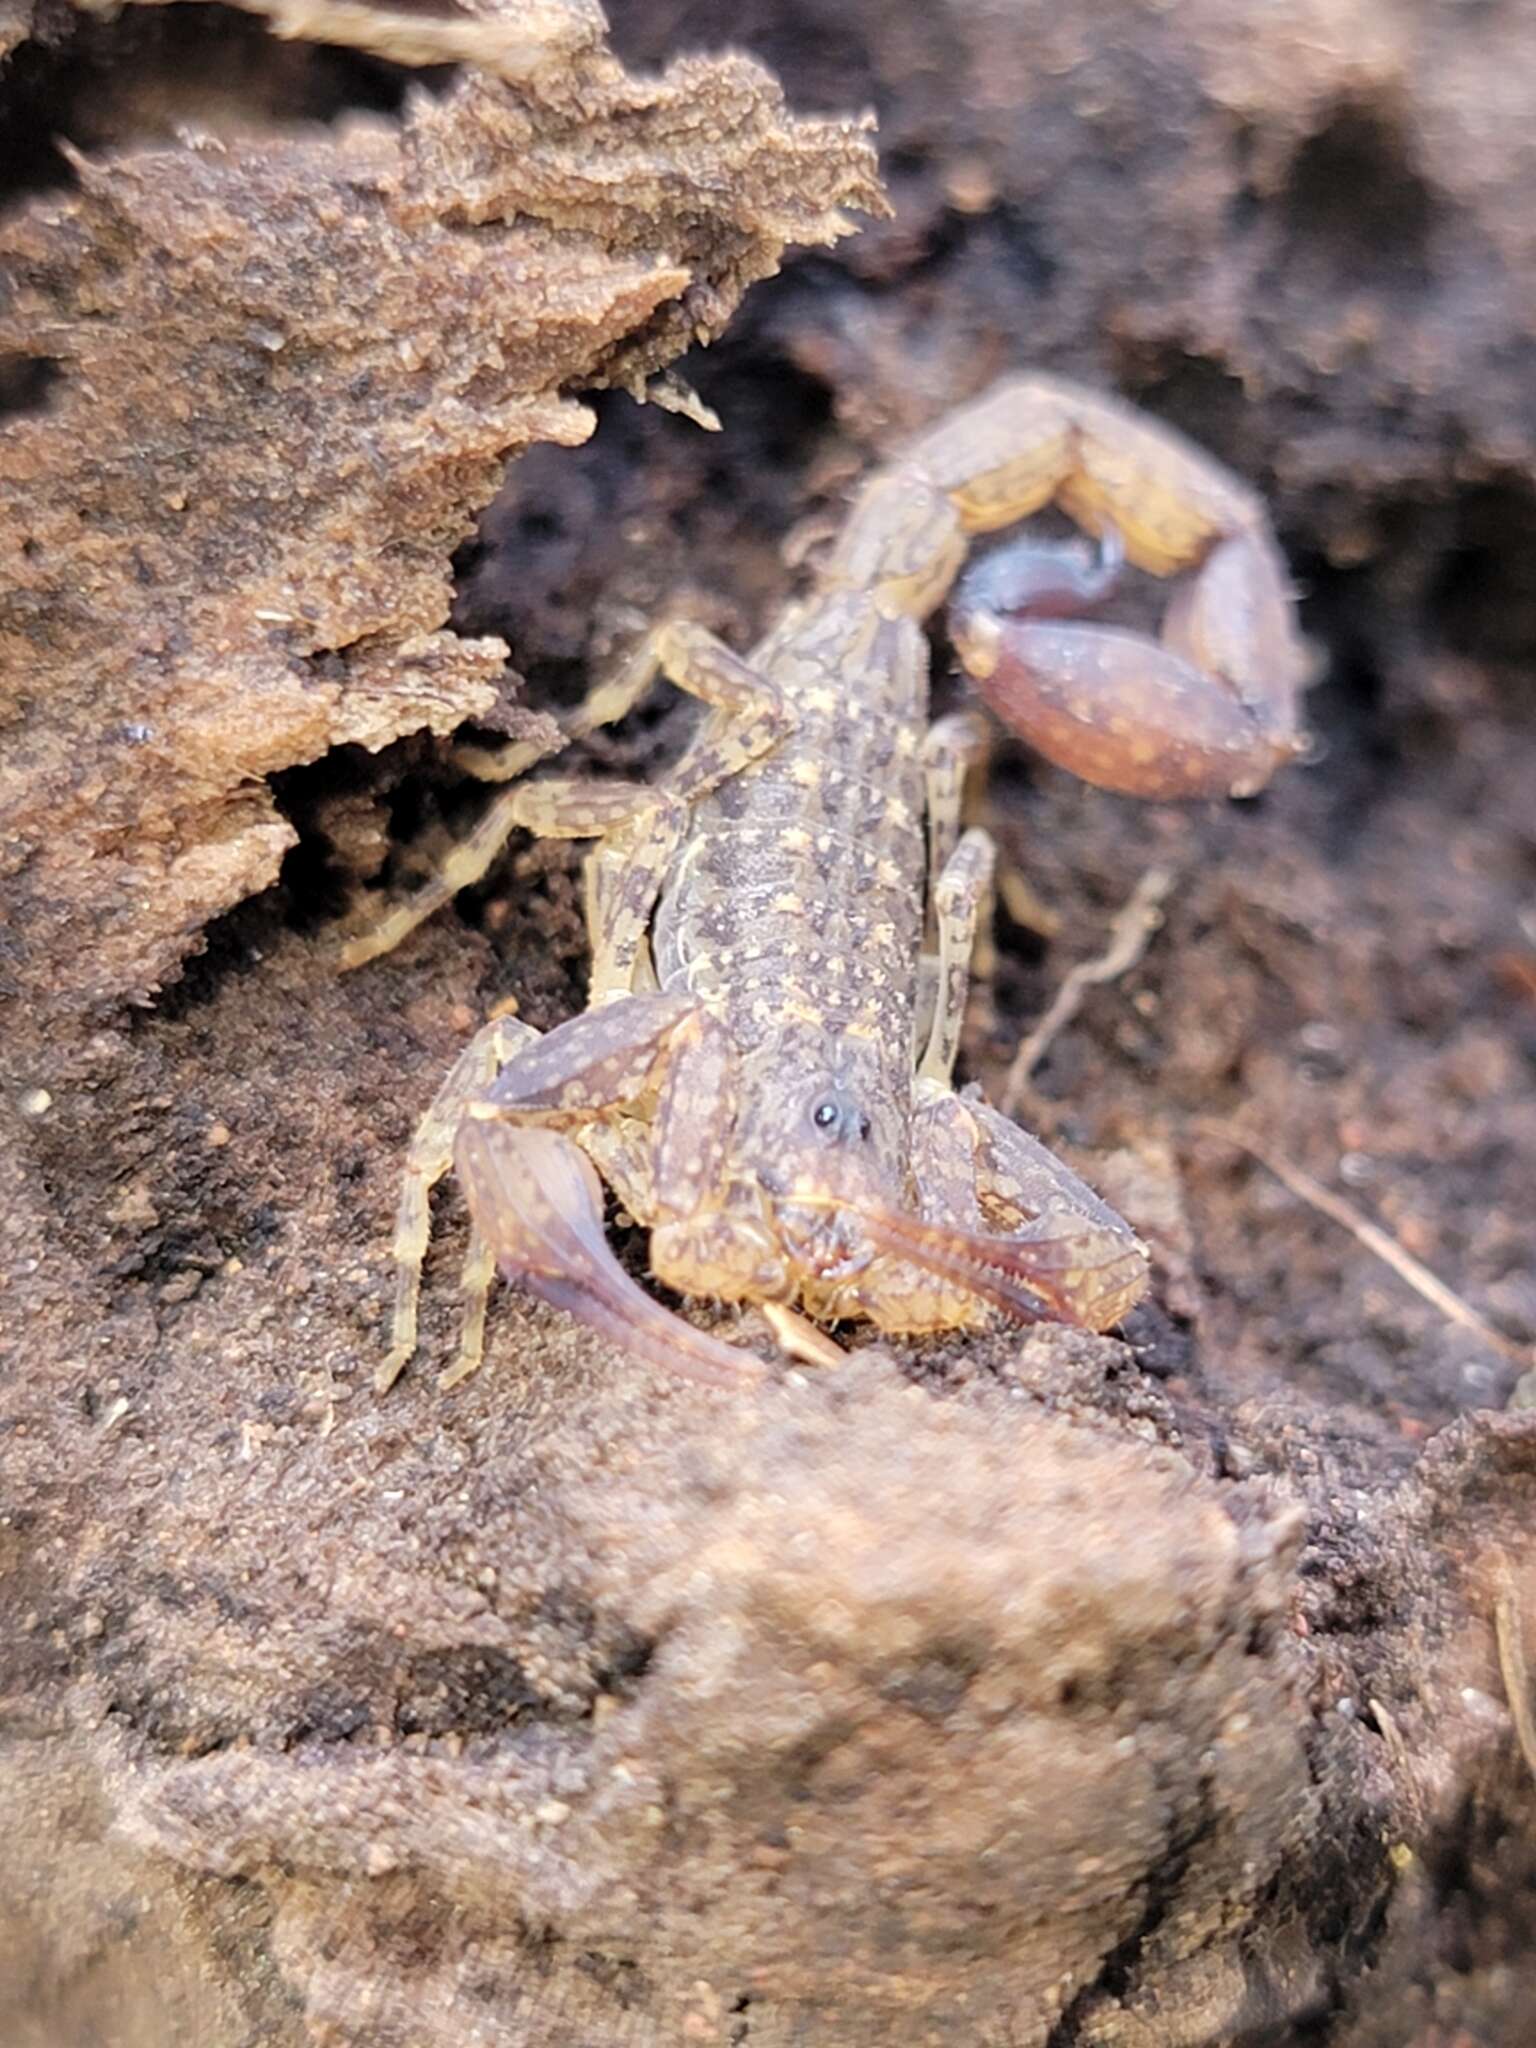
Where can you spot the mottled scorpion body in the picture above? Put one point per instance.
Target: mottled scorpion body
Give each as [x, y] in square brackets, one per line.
[782, 928]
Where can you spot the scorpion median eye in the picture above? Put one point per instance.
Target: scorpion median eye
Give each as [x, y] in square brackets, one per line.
[836, 1117]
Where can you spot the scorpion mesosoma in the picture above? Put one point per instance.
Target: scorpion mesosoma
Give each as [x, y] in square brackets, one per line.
[755, 1076]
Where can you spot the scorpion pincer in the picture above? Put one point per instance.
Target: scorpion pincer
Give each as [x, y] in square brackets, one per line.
[782, 928]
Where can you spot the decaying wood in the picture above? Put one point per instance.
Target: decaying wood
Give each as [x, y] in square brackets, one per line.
[274, 379]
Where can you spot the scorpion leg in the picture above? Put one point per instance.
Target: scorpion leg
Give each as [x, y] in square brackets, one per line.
[639, 825]
[429, 1158]
[751, 717]
[953, 746]
[605, 703]
[1210, 710]
[534, 1193]
[474, 856]
[958, 899]
[624, 877]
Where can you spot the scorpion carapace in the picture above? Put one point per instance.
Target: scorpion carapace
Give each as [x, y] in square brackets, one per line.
[782, 928]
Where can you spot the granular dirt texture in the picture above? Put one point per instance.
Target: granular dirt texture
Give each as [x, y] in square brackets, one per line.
[1030, 1690]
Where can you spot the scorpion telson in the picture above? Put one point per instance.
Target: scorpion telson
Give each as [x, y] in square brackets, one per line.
[761, 1075]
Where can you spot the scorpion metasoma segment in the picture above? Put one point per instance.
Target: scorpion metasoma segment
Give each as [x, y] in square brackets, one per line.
[782, 928]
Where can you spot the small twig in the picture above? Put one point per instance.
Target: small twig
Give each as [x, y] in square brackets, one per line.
[800, 1339]
[1510, 1637]
[671, 394]
[1135, 922]
[1376, 1240]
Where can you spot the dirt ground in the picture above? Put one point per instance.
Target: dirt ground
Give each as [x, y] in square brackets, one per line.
[1039, 1690]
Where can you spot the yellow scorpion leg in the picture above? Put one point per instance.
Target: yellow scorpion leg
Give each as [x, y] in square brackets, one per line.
[749, 716]
[429, 1158]
[958, 898]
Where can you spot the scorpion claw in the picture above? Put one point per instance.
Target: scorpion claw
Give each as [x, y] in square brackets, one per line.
[998, 1270]
[537, 1200]
[1057, 1273]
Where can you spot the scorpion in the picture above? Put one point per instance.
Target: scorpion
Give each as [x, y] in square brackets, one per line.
[782, 926]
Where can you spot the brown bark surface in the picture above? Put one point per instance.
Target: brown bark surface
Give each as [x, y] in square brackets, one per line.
[1038, 1689]
[265, 384]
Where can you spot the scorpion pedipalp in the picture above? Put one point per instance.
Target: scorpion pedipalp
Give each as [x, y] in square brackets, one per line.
[1048, 1274]
[991, 1269]
[537, 1200]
